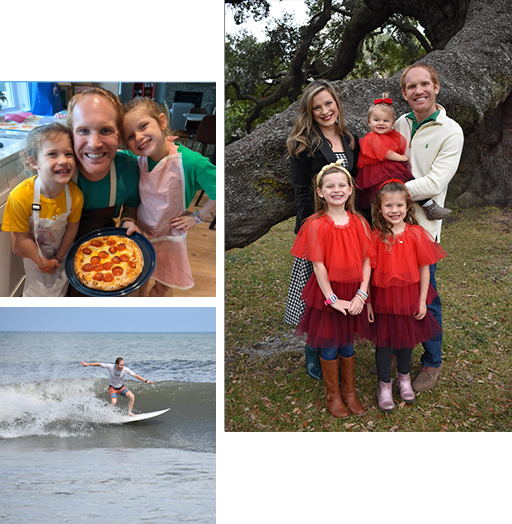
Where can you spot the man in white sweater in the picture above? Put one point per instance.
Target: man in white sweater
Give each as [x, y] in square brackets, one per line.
[434, 148]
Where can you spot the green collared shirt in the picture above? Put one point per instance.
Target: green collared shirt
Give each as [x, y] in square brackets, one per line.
[416, 126]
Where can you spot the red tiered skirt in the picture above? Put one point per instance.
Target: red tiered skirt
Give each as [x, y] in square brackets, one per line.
[325, 326]
[395, 324]
[371, 176]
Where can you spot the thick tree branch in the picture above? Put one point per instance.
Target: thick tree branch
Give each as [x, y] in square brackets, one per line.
[362, 22]
[442, 19]
[475, 72]
[239, 94]
[408, 28]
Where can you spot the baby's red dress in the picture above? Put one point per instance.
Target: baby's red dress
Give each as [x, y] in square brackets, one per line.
[395, 288]
[374, 169]
[342, 250]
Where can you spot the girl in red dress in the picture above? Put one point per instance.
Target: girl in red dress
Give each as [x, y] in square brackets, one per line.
[337, 240]
[382, 158]
[400, 288]
[382, 153]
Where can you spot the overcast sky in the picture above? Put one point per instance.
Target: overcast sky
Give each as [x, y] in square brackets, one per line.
[105, 319]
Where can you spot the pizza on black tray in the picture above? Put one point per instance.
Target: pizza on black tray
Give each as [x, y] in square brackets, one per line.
[108, 263]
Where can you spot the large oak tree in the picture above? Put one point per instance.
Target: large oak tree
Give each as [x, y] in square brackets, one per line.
[472, 52]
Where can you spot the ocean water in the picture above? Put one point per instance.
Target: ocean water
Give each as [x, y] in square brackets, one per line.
[65, 456]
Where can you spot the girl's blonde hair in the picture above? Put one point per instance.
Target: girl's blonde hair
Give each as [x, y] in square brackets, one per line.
[38, 136]
[379, 222]
[150, 106]
[306, 134]
[383, 106]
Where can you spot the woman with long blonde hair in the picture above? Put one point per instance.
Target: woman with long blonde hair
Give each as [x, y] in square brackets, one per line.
[319, 137]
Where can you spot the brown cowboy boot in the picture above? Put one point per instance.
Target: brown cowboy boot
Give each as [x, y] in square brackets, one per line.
[332, 389]
[348, 386]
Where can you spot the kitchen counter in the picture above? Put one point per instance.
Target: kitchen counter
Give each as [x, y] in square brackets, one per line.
[13, 145]
[12, 173]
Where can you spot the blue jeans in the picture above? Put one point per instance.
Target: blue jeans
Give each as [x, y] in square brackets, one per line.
[432, 354]
[332, 353]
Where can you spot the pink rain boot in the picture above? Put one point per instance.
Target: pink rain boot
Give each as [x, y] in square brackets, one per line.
[385, 397]
[405, 388]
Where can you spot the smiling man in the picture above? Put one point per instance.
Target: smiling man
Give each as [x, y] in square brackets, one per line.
[108, 178]
[434, 147]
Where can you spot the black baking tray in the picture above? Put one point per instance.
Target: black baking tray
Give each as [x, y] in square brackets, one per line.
[148, 252]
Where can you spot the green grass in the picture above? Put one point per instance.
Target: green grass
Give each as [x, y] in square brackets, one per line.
[474, 393]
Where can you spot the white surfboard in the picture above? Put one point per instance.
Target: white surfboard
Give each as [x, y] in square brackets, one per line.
[144, 416]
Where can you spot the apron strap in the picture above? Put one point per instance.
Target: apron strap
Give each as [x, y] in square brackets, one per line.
[169, 238]
[36, 208]
[113, 183]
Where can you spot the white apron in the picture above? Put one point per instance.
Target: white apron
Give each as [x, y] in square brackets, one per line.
[48, 236]
[162, 195]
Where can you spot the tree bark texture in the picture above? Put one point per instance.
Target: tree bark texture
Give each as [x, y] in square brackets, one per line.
[475, 73]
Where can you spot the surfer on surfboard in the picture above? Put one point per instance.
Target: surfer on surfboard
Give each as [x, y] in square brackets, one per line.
[117, 372]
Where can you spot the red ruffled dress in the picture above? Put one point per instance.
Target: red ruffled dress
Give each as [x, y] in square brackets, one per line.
[395, 288]
[374, 169]
[342, 249]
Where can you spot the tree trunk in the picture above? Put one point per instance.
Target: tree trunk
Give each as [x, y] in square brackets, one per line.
[475, 73]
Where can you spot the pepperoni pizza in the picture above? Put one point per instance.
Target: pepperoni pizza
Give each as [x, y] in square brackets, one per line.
[108, 263]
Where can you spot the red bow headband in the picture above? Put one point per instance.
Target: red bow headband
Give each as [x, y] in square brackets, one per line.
[388, 101]
[393, 180]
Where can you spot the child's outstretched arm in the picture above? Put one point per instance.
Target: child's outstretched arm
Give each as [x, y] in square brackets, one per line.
[424, 283]
[396, 157]
[357, 304]
[322, 278]
[24, 243]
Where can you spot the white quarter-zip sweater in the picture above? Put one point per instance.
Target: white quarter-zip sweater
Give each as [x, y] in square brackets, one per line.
[434, 153]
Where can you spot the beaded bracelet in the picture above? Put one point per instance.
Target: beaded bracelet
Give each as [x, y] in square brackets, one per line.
[198, 218]
[361, 295]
